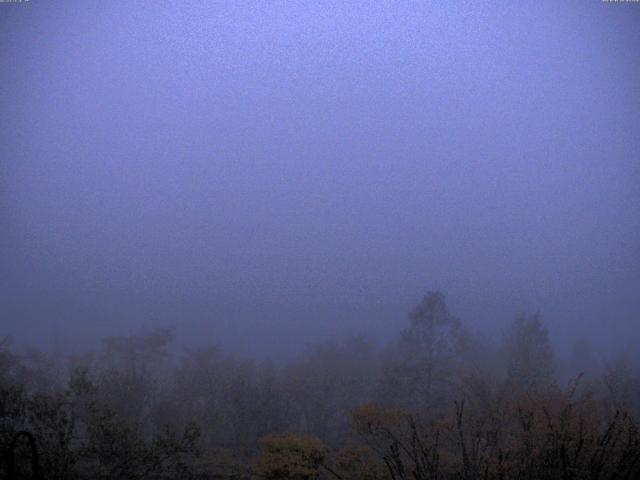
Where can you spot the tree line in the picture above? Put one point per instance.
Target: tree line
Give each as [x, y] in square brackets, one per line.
[437, 402]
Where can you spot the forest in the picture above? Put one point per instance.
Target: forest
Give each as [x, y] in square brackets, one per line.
[319, 240]
[437, 402]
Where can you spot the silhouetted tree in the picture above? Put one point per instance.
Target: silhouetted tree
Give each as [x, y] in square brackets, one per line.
[530, 356]
[422, 368]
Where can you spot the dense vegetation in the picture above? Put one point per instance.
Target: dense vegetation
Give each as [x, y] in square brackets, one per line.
[438, 402]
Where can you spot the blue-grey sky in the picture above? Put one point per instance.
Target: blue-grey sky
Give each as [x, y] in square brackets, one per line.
[266, 174]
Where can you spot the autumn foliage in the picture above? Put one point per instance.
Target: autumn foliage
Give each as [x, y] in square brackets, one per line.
[437, 402]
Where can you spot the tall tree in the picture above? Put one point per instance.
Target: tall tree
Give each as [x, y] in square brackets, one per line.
[423, 366]
[530, 356]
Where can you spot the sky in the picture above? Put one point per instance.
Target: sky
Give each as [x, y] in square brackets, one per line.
[265, 175]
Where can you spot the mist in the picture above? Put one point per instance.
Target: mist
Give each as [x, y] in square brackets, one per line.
[245, 170]
[267, 177]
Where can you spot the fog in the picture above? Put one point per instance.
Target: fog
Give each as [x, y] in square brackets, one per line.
[319, 240]
[264, 176]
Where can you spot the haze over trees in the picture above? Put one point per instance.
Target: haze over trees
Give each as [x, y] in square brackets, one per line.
[427, 405]
[227, 229]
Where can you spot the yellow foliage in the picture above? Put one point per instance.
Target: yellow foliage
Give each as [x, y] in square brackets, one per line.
[290, 456]
[371, 417]
[359, 462]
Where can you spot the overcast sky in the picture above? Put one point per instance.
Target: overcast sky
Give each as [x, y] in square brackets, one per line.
[267, 174]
